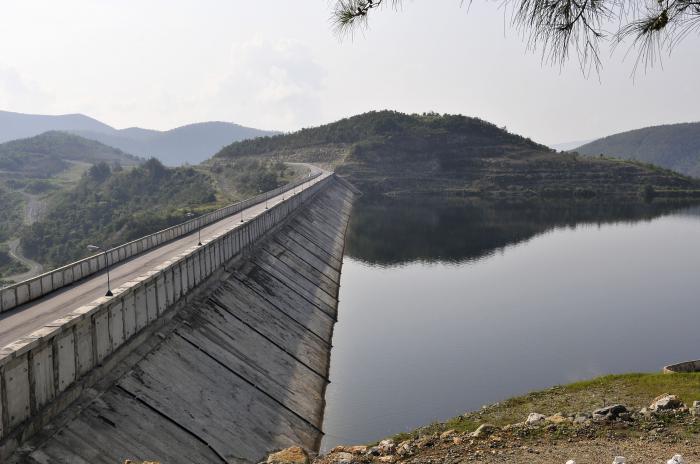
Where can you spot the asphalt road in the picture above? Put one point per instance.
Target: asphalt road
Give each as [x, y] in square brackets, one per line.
[27, 318]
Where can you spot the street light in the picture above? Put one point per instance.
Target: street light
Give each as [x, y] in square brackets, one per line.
[199, 228]
[97, 248]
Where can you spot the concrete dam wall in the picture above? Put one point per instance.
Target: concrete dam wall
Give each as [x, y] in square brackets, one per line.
[232, 371]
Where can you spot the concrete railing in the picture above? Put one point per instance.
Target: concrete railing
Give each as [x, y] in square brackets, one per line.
[36, 369]
[37, 287]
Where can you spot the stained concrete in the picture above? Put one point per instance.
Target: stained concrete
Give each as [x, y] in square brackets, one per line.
[239, 371]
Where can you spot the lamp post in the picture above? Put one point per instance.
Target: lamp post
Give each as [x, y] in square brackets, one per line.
[97, 248]
[199, 228]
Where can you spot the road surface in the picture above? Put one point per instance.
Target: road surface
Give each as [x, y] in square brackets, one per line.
[27, 318]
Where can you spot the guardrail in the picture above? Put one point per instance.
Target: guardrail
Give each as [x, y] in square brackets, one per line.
[39, 286]
[36, 369]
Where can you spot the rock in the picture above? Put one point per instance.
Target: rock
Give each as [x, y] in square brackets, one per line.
[557, 418]
[338, 449]
[535, 419]
[570, 461]
[666, 402]
[676, 459]
[619, 460]
[457, 440]
[374, 451]
[387, 447]
[359, 449]
[484, 430]
[610, 412]
[342, 457]
[695, 410]
[404, 448]
[293, 455]
[582, 418]
[387, 459]
[447, 434]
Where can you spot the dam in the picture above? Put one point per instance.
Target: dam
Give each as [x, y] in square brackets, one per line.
[217, 355]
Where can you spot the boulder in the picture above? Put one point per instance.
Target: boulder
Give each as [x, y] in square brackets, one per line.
[676, 459]
[342, 457]
[293, 455]
[557, 418]
[404, 448]
[695, 410]
[666, 402]
[610, 412]
[358, 449]
[386, 447]
[535, 419]
[484, 430]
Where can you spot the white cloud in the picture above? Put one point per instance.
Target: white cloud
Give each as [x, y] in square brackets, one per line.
[20, 94]
[273, 84]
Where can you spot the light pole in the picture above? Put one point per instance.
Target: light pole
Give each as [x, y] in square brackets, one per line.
[199, 228]
[97, 248]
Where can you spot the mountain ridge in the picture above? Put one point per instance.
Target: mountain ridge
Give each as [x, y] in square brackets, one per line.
[672, 146]
[394, 153]
[189, 143]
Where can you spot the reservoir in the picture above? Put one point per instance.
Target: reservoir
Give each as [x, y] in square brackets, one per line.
[447, 305]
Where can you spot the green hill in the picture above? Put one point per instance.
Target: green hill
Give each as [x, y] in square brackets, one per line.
[110, 207]
[45, 155]
[673, 146]
[390, 152]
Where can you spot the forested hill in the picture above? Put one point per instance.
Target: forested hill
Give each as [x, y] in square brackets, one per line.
[391, 152]
[673, 146]
[47, 154]
[110, 207]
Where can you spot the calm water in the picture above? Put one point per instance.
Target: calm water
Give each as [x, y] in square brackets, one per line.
[446, 307]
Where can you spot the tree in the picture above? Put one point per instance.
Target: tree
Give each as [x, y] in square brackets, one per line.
[560, 26]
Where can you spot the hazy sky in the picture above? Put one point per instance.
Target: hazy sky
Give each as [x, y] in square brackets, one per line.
[277, 64]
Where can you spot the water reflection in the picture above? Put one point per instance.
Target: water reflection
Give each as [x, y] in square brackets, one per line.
[393, 231]
[448, 305]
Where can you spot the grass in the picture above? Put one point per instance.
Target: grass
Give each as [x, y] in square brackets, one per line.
[634, 390]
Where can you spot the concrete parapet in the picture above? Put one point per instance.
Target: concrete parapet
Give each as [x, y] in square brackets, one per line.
[37, 287]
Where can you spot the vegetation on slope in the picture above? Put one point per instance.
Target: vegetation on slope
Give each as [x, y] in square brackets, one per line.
[673, 146]
[112, 206]
[10, 213]
[48, 154]
[391, 152]
[8, 265]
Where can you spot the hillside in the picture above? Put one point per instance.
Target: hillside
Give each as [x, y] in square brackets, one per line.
[47, 154]
[390, 152]
[673, 146]
[112, 207]
[191, 144]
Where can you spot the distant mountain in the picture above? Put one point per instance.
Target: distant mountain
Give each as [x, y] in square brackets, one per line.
[394, 153]
[191, 144]
[187, 144]
[47, 154]
[673, 146]
[19, 126]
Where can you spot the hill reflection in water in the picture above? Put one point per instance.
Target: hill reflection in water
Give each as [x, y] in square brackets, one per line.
[394, 231]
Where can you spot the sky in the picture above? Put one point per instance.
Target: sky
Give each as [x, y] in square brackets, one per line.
[278, 64]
